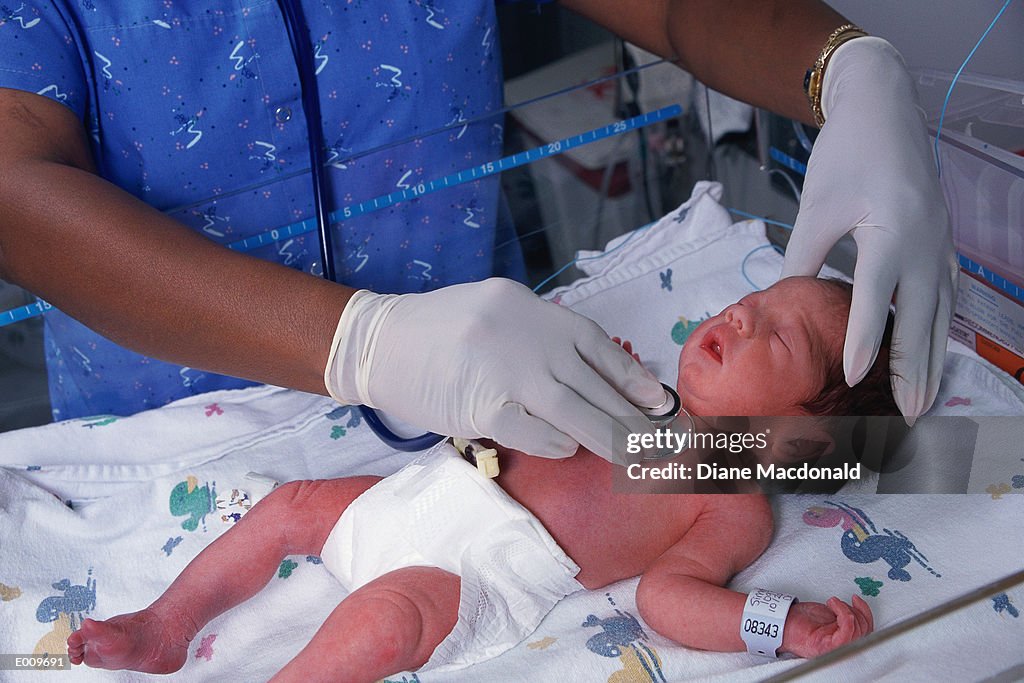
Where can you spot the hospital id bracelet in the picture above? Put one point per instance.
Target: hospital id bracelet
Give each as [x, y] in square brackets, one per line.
[815, 76]
[764, 621]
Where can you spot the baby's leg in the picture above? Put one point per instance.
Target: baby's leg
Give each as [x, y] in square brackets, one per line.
[295, 519]
[391, 624]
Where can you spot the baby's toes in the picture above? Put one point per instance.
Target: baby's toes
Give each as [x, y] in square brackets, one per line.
[76, 647]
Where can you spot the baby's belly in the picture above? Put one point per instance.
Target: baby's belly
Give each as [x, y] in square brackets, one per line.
[610, 535]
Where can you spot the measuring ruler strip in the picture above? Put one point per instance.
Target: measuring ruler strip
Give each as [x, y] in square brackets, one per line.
[20, 313]
[483, 170]
[468, 175]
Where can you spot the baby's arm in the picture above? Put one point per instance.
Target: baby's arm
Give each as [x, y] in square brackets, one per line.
[682, 597]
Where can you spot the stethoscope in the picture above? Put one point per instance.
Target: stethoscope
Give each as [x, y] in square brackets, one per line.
[302, 51]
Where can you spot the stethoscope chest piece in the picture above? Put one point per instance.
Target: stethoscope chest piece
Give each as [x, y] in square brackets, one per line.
[662, 415]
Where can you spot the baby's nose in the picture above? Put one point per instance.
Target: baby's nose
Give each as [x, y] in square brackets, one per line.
[741, 320]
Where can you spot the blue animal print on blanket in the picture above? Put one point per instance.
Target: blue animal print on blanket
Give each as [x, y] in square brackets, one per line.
[1001, 603]
[623, 637]
[171, 544]
[72, 602]
[862, 542]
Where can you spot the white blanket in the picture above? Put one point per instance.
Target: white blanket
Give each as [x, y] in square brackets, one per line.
[107, 537]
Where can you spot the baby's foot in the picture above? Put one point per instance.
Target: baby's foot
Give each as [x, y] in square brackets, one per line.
[140, 641]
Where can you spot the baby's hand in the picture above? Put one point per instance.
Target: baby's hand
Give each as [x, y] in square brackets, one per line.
[813, 629]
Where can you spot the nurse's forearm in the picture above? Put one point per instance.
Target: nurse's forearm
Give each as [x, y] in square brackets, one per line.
[152, 285]
[754, 50]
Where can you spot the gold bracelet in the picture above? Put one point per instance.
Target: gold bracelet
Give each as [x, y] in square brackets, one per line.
[816, 74]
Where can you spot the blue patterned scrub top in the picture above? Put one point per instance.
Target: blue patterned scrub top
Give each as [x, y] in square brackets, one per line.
[195, 108]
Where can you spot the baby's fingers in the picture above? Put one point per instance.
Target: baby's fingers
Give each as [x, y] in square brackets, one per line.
[627, 346]
[846, 622]
[864, 614]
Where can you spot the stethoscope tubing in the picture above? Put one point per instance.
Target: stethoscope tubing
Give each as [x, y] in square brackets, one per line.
[302, 50]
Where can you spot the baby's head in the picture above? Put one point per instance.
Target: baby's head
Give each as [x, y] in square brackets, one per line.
[780, 352]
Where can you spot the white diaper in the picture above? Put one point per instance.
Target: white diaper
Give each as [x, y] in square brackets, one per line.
[439, 511]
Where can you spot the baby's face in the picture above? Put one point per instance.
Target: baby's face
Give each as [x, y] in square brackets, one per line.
[764, 355]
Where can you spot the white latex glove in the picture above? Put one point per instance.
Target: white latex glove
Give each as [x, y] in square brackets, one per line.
[872, 174]
[491, 359]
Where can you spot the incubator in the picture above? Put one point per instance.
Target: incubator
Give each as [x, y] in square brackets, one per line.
[582, 155]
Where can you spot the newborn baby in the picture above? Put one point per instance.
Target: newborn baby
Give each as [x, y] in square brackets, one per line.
[439, 595]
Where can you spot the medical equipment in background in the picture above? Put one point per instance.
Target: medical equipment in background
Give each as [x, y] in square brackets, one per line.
[981, 156]
[591, 192]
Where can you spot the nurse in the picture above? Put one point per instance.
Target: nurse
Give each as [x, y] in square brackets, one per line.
[141, 138]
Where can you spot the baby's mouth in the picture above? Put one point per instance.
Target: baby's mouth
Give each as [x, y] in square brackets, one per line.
[713, 348]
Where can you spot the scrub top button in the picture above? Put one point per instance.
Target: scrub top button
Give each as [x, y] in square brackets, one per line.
[283, 114]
